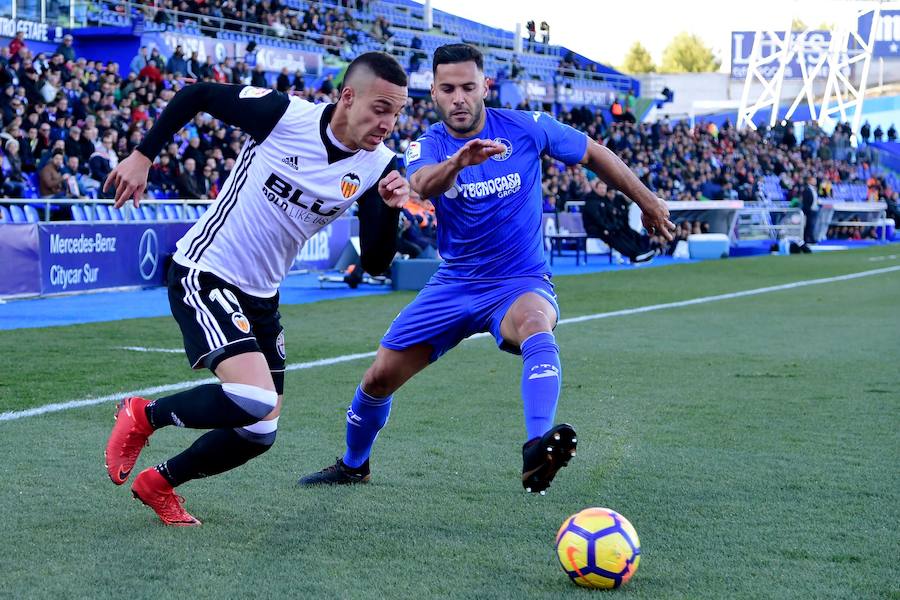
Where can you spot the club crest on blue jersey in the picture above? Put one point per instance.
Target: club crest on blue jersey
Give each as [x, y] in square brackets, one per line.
[506, 153]
[349, 184]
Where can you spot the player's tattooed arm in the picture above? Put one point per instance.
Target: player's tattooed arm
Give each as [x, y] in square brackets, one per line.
[434, 180]
[610, 168]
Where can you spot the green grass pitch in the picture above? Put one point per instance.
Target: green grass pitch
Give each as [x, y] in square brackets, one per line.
[752, 442]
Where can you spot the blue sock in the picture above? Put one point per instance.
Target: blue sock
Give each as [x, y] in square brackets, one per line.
[365, 418]
[541, 382]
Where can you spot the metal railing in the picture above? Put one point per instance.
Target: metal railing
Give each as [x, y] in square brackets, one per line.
[47, 205]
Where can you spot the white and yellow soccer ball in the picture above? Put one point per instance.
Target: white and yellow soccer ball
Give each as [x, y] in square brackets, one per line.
[598, 548]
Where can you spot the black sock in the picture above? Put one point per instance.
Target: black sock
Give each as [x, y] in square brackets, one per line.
[212, 453]
[202, 407]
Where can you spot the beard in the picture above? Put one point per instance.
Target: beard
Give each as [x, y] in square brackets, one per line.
[476, 117]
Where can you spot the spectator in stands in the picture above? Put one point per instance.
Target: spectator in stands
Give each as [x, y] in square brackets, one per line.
[381, 30]
[878, 134]
[163, 176]
[189, 184]
[65, 49]
[241, 74]
[14, 178]
[865, 131]
[283, 82]
[529, 27]
[52, 181]
[79, 181]
[104, 159]
[892, 133]
[193, 66]
[298, 85]
[73, 140]
[810, 209]
[140, 61]
[17, 44]
[177, 63]
[605, 216]
[158, 60]
[516, 70]
[258, 78]
[545, 32]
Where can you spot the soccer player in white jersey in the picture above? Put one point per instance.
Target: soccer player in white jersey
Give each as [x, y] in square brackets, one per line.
[302, 166]
[482, 169]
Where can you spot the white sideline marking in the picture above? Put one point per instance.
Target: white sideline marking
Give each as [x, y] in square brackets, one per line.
[142, 349]
[49, 408]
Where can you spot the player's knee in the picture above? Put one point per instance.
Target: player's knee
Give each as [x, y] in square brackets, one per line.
[261, 433]
[532, 321]
[255, 401]
[379, 381]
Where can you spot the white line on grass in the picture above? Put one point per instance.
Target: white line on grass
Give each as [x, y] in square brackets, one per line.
[142, 349]
[49, 408]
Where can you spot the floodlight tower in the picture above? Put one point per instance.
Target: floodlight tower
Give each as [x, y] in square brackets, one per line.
[819, 59]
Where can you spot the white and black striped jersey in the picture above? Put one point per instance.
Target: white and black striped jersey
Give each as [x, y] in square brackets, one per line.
[289, 181]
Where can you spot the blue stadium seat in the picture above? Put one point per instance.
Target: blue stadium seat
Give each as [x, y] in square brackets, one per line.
[136, 214]
[191, 212]
[31, 214]
[167, 213]
[102, 212]
[5, 217]
[149, 213]
[18, 215]
[201, 209]
[115, 214]
[78, 213]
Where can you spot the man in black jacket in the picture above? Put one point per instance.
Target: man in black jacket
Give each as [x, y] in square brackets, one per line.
[810, 208]
[605, 216]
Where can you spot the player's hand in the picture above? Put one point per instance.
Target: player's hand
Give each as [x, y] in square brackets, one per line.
[129, 178]
[394, 189]
[655, 217]
[476, 152]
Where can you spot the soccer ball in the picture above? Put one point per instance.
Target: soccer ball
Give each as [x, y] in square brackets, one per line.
[598, 548]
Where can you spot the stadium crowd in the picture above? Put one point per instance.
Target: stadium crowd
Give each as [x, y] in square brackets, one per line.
[70, 121]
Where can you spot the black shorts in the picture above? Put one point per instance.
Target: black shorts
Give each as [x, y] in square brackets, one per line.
[218, 321]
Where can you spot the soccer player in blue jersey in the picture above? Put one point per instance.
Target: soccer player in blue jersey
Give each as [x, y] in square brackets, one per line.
[482, 169]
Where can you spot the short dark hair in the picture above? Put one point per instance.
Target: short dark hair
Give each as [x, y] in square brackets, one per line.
[383, 65]
[457, 53]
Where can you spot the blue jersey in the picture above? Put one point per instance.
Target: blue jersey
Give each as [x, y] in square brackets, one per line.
[489, 222]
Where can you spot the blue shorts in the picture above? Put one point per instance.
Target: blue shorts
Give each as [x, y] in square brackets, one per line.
[444, 314]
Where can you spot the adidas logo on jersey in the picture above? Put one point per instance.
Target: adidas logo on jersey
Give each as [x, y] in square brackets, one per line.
[292, 161]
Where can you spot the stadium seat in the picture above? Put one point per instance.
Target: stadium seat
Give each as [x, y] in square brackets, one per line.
[102, 212]
[18, 215]
[149, 213]
[5, 217]
[115, 214]
[201, 209]
[78, 214]
[191, 212]
[31, 214]
[136, 214]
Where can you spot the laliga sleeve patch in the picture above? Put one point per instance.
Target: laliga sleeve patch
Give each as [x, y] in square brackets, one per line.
[254, 92]
[414, 152]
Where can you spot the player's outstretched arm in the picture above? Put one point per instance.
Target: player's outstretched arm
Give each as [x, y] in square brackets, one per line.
[434, 180]
[610, 168]
[256, 111]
